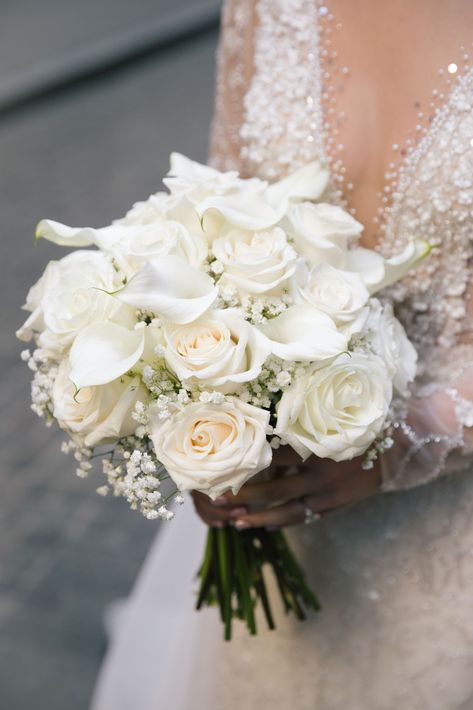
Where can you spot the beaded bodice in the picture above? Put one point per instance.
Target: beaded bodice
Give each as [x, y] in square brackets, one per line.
[276, 109]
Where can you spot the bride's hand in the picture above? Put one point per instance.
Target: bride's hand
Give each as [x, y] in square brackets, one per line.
[321, 486]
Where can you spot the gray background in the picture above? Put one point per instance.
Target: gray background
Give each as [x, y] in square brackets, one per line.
[81, 156]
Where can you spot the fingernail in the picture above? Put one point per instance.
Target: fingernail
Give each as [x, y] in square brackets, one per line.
[221, 500]
[242, 525]
[218, 524]
[237, 512]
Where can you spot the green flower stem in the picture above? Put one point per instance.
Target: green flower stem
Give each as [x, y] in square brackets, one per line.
[224, 550]
[232, 576]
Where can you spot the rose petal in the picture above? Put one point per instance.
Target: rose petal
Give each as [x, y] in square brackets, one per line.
[171, 288]
[102, 352]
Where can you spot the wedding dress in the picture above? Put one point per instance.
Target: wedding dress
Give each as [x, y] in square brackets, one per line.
[395, 573]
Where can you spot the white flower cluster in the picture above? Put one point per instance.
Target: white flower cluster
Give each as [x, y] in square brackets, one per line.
[41, 384]
[210, 325]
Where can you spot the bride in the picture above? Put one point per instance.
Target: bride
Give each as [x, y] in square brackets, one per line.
[382, 92]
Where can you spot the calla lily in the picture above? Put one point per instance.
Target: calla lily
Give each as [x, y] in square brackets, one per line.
[378, 273]
[64, 236]
[246, 210]
[102, 352]
[185, 173]
[171, 288]
[262, 208]
[308, 183]
[305, 334]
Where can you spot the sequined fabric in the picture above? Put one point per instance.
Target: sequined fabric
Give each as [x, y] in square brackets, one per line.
[395, 574]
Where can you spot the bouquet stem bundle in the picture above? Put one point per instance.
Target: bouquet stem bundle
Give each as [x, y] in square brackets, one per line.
[232, 577]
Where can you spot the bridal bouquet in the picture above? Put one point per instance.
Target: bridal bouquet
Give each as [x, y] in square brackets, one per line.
[209, 326]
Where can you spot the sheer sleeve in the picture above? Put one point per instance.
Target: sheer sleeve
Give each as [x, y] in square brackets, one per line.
[435, 434]
[234, 72]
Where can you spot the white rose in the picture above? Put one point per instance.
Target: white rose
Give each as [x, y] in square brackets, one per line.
[220, 349]
[71, 297]
[146, 242]
[337, 411]
[35, 321]
[342, 295]
[96, 415]
[147, 211]
[390, 342]
[256, 262]
[322, 232]
[212, 447]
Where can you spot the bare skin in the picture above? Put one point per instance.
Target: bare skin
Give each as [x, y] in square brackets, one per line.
[393, 50]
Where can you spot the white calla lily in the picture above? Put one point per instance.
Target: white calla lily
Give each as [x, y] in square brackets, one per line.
[65, 236]
[171, 288]
[305, 334]
[243, 209]
[378, 273]
[103, 352]
[263, 206]
[308, 183]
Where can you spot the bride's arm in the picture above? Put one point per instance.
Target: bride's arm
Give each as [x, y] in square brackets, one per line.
[436, 435]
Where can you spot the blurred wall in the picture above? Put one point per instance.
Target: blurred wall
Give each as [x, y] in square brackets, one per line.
[82, 154]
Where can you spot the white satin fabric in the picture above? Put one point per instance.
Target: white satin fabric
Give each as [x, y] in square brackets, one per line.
[162, 650]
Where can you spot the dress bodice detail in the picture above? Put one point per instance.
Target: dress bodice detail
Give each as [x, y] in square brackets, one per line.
[272, 116]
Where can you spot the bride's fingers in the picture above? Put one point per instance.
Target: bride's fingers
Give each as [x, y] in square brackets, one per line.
[290, 513]
[215, 517]
[277, 490]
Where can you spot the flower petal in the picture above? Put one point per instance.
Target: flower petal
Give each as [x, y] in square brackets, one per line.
[377, 272]
[104, 237]
[305, 334]
[171, 288]
[243, 209]
[308, 183]
[102, 352]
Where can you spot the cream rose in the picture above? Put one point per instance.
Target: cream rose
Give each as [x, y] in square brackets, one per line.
[220, 349]
[390, 342]
[212, 448]
[336, 412]
[256, 262]
[342, 295]
[322, 232]
[96, 415]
